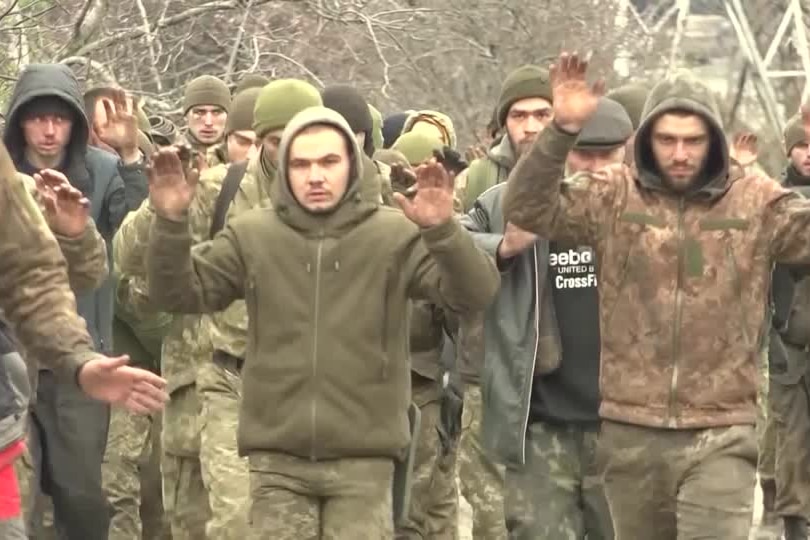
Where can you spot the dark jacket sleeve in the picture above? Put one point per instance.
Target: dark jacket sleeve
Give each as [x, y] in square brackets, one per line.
[128, 190]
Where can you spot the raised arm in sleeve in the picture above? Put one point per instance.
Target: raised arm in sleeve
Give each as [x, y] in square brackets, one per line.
[208, 280]
[540, 200]
[787, 223]
[34, 292]
[86, 258]
[449, 270]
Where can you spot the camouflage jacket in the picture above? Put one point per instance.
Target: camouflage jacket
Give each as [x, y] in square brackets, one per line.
[228, 328]
[683, 279]
[34, 292]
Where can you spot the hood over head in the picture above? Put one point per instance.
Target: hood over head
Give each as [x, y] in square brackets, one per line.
[353, 107]
[434, 118]
[362, 193]
[684, 92]
[51, 81]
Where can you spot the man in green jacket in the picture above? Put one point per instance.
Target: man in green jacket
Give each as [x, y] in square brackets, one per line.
[327, 275]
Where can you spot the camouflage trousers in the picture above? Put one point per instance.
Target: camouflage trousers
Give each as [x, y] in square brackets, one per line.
[299, 499]
[557, 494]
[433, 512]
[766, 429]
[224, 472]
[131, 477]
[185, 500]
[790, 407]
[678, 484]
[480, 478]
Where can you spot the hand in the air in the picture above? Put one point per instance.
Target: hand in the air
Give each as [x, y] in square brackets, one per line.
[66, 209]
[574, 100]
[432, 204]
[745, 149]
[171, 187]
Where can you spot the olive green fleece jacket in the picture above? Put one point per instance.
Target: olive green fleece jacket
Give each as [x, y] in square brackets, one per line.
[327, 372]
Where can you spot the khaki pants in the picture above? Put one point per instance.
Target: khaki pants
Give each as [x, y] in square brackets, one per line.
[790, 405]
[298, 499]
[678, 484]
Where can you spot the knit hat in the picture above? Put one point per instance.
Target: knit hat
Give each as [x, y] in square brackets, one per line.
[794, 133]
[608, 128]
[391, 157]
[523, 83]
[241, 116]
[632, 97]
[279, 101]
[353, 107]
[392, 127]
[376, 130]
[251, 80]
[162, 131]
[417, 147]
[206, 90]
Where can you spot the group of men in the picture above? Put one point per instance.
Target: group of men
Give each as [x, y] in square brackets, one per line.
[354, 327]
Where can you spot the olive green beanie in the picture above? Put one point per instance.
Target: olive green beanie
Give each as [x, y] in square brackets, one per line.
[523, 83]
[279, 101]
[251, 80]
[206, 90]
[241, 116]
[794, 133]
[376, 127]
[417, 147]
[632, 97]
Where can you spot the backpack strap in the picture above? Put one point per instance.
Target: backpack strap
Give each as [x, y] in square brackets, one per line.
[230, 185]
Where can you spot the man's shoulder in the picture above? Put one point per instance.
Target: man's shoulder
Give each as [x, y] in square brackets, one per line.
[101, 164]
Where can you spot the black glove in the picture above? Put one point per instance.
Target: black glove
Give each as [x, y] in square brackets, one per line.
[403, 180]
[452, 161]
[451, 409]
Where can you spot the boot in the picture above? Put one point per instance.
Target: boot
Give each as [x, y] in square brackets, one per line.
[770, 526]
[795, 528]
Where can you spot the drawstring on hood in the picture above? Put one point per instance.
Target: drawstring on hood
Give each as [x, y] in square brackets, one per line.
[50, 81]
[362, 193]
[684, 92]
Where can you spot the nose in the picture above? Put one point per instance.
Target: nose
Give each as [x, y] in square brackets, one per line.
[209, 118]
[680, 152]
[49, 127]
[532, 125]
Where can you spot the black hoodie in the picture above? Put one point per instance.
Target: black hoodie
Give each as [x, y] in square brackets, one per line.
[113, 189]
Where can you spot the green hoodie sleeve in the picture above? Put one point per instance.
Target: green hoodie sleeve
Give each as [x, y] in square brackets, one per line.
[539, 200]
[450, 271]
[206, 281]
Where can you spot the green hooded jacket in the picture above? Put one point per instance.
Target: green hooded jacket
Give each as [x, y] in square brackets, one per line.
[327, 371]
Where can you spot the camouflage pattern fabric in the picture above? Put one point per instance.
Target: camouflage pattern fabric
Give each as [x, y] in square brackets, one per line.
[557, 494]
[433, 512]
[184, 497]
[129, 444]
[766, 429]
[225, 473]
[481, 479]
[299, 499]
[790, 408]
[667, 484]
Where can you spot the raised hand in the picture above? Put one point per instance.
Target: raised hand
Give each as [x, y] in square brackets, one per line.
[432, 204]
[66, 209]
[745, 149]
[120, 127]
[574, 100]
[171, 187]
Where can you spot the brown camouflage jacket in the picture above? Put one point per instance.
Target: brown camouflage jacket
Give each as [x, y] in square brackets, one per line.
[683, 280]
[34, 292]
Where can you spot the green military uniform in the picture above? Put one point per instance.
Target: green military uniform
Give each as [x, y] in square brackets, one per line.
[324, 453]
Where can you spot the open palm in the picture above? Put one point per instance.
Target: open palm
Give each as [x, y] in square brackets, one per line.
[432, 204]
[120, 127]
[171, 188]
[66, 209]
[745, 149]
[574, 99]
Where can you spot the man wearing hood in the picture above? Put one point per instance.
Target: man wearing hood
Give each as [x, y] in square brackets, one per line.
[523, 111]
[685, 246]
[206, 104]
[200, 422]
[541, 337]
[333, 362]
[788, 359]
[47, 129]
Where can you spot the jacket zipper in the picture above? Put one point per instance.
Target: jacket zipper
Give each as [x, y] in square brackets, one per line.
[676, 331]
[534, 356]
[314, 409]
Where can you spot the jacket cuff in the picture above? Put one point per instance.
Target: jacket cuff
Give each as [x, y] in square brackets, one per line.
[74, 364]
[440, 233]
[555, 142]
